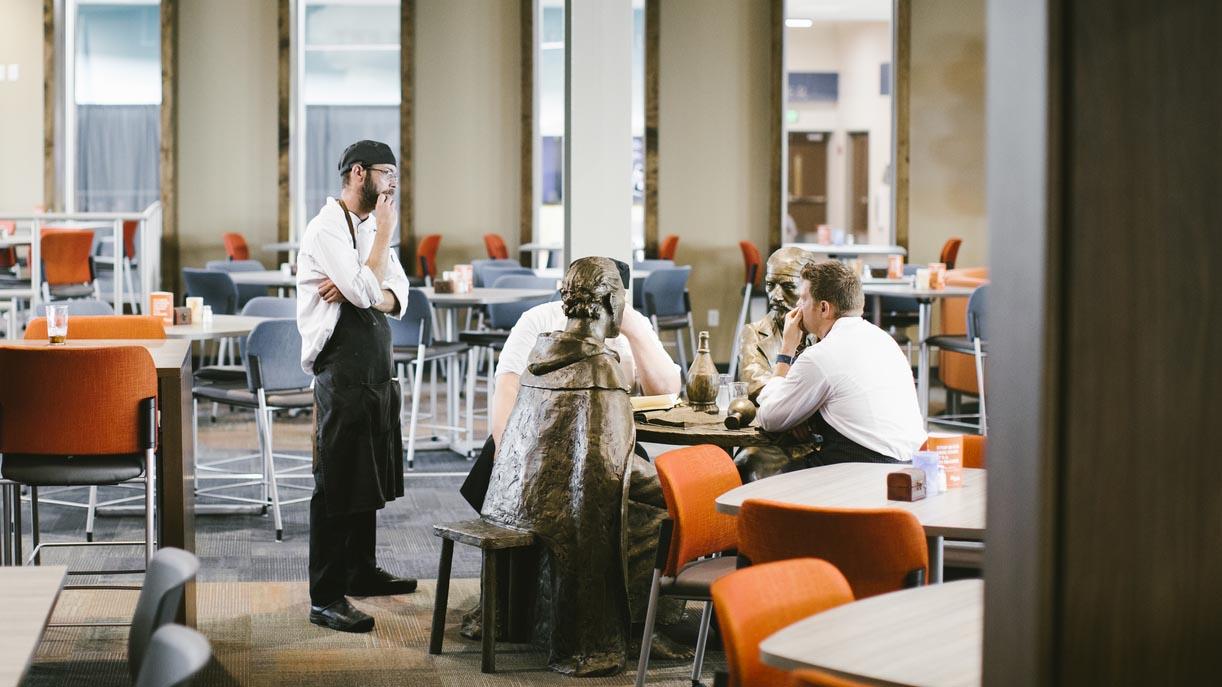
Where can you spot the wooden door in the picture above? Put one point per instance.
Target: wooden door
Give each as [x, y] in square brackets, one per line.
[808, 179]
[859, 184]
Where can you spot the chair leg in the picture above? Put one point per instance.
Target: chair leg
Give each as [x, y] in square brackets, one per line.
[417, 378]
[442, 597]
[691, 333]
[984, 418]
[647, 636]
[150, 501]
[702, 640]
[35, 528]
[472, 364]
[269, 464]
[90, 513]
[488, 612]
[681, 351]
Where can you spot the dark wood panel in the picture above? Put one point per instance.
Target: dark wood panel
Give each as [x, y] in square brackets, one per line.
[284, 208]
[170, 258]
[653, 33]
[49, 84]
[776, 124]
[526, 146]
[407, 133]
[901, 72]
[1141, 569]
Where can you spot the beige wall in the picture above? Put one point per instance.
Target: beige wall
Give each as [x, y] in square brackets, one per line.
[227, 126]
[714, 152]
[467, 124]
[21, 134]
[947, 187]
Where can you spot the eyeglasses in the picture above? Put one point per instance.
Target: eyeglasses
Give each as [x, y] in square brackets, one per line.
[390, 176]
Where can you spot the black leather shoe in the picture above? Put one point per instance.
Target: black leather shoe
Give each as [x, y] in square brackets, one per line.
[378, 582]
[341, 616]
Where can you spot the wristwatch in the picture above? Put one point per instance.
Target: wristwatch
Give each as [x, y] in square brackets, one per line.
[782, 358]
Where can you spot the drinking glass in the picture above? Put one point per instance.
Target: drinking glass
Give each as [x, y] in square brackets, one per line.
[57, 324]
[738, 390]
[723, 392]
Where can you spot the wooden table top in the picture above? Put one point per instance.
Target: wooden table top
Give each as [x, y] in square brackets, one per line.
[700, 428]
[222, 326]
[27, 595]
[926, 636]
[483, 296]
[168, 354]
[910, 291]
[955, 514]
[849, 248]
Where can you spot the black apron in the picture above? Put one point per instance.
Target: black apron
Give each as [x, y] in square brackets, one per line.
[358, 443]
[832, 447]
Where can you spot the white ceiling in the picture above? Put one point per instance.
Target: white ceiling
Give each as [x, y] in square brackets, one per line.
[839, 10]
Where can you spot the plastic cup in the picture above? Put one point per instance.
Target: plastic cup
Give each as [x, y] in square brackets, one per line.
[57, 324]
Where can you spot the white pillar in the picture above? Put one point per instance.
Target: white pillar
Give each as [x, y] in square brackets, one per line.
[598, 129]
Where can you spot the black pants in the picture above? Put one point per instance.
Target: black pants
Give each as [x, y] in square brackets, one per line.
[341, 548]
[834, 447]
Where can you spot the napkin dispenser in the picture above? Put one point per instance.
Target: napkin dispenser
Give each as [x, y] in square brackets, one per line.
[443, 286]
[907, 484]
[182, 315]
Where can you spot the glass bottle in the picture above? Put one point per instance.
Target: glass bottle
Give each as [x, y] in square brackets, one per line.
[702, 379]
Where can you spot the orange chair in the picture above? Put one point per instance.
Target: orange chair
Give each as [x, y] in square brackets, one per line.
[670, 243]
[496, 247]
[753, 279]
[67, 265]
[691, 478]
[816, 678]
[8, 256]
[753, 264]
[426, 256]
[79, 417]
[235, 246]
[103, 327]
[974, 449]
[755, 602]
[958, 370]
[950, 251]
[878, 550]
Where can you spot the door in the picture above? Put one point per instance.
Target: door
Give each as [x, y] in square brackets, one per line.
[859, 184]
[808, 180]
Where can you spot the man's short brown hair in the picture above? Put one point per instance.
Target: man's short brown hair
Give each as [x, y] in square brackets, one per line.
[834, 282]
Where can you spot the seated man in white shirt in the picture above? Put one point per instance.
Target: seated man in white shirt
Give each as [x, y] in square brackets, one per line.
[853, 388]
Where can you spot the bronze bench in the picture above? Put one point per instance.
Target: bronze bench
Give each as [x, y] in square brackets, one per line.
[493, 542]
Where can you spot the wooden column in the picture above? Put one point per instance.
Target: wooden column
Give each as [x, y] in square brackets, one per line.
[653, 32]
[170, 259]
[49, 84]
[407, 131]
[526, 146]
[902, 69]
[776, 122]
[284, 74]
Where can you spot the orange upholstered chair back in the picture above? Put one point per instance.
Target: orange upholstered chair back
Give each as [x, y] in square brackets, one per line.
[65, 256]
[755, 602]
[496, 247]
[82, 401]
[666, 251]
[235, 246]
[956, 370]
[129, 237]
[815, 678]
[752, 258]
[974, 449]
[692, 478]
[103, 327]
[427, 249]
[8, 256]
[950, 252]
[875, 548]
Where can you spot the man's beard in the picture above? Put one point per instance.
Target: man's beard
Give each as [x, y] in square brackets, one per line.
[368, 196]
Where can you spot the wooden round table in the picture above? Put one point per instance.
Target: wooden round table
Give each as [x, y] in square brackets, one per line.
[925, 636]
[957, 513]
[683, 426]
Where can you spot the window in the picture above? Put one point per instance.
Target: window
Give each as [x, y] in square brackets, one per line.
[113, 119]
[349, 88]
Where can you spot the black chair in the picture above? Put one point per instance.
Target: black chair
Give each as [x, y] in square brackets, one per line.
[975, 344]
[668, 306]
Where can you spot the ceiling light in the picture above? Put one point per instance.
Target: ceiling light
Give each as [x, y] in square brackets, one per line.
[799, 23]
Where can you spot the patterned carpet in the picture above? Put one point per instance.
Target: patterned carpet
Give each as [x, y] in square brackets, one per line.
[253, 599]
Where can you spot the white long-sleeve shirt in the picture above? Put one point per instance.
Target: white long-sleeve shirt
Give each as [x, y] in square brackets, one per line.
[326, 252]
[861, 382]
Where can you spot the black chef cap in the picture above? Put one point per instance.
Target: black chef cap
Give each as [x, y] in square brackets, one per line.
[366, 153]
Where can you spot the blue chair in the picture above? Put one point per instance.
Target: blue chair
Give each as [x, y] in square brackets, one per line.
[638, 283]
[175, 657]
[84, 307]
[274, 381]
[478, 267]
[653, 264]
[215, 287]
[160, 595]
[245, 291]
[412, 344]
[666, 303]
[975, 344]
